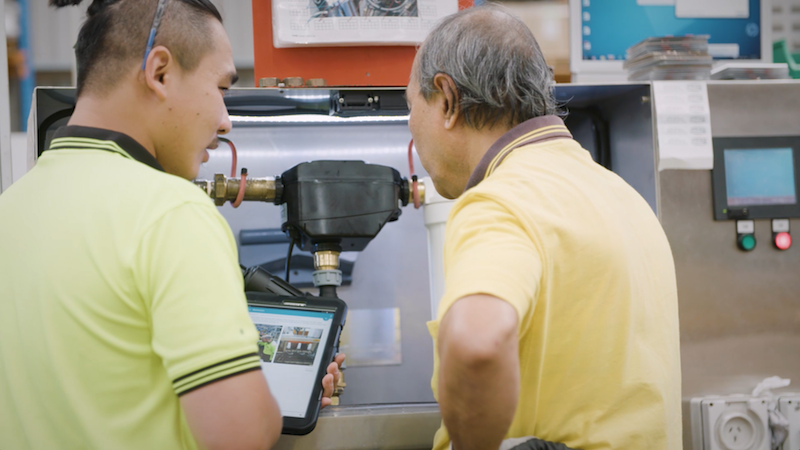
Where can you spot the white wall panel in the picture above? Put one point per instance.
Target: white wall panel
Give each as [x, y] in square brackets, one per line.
[237, 16]
[54, 32]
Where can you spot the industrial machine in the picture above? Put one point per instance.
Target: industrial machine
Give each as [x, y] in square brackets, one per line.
[303, 134]
[738, 309]
[326, 207]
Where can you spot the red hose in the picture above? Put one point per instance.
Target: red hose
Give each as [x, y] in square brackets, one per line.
[414, 182]
[242, 186]
[234, 157]
[411, 158]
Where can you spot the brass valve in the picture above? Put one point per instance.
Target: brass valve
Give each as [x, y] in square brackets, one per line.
[326, 260]
[420, 189]
[223, 189]
[265, 189]
[338, 389]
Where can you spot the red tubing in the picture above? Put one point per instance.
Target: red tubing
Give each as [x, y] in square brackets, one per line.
[242, 186]
[234, 157]
[414, 183]
[411, 158]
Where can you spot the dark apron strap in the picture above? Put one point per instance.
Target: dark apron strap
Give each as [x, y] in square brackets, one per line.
[538, 444]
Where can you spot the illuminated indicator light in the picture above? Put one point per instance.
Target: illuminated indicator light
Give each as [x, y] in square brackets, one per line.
[783, 241]
[747, 242]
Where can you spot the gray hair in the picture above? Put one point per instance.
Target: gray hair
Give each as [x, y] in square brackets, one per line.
[495, 63]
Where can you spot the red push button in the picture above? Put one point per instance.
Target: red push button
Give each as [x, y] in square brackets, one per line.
[783, 241]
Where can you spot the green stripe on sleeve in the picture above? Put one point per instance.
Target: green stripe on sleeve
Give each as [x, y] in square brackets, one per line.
[216, 372]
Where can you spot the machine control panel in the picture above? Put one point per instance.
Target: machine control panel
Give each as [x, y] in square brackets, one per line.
[780, 234]
[745, 235]
[756, 178]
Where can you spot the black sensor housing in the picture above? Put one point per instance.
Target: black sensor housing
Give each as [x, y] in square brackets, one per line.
[339, 203]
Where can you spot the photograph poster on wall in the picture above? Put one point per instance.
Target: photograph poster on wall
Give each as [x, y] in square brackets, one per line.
[315, 23]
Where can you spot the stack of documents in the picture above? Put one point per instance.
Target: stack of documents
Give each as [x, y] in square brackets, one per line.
[750, 71]
[669, 58]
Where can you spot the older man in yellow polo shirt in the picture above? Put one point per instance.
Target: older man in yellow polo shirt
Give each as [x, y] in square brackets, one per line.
[559, 323]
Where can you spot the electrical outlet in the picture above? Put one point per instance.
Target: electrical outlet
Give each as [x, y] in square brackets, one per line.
[789, 406]
[736, 422]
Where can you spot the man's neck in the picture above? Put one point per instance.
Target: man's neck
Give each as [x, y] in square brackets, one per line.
[478, 142]
[115, 112]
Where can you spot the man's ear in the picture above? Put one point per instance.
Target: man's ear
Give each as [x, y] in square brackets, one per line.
[157, 70]
[450, 108]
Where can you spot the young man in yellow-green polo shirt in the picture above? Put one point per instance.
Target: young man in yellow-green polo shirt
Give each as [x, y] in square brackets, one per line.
[558, 327]
[123, 321]
[266, 347]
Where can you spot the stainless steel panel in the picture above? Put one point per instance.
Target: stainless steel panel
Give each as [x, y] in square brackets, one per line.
[739, 311]
[393, 270]
[754, 108]
[725, 292]
[372, 337]
[385, 427]
[631, 132]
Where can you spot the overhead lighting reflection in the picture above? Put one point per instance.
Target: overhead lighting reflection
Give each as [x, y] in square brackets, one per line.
[315, 118]
[308, 97]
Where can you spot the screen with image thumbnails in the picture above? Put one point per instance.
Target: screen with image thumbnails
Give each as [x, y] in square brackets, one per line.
[290, 346]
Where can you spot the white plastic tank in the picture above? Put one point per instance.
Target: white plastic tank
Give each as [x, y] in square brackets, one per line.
[436, 209]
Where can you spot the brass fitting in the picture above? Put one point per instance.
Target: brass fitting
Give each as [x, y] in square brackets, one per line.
[223, 189]
[326, 260]
[420, 189]
[316, 82]
[294, 82]
[268, 82]
[338, 389]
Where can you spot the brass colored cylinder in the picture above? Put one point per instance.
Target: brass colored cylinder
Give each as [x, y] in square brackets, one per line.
[256, 189]
[269, 82]
[294, 82]
[224, 189]
[326, 260]
[420, 189]
[316, 82]
[207, 186]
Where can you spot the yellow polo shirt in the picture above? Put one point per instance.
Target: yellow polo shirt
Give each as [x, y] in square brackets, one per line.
[584, 261]
[120, 290]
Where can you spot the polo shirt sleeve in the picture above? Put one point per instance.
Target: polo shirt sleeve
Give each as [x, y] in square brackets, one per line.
[187, 272]
[488, 251]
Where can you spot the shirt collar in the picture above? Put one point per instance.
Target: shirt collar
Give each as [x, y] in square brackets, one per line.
[78, 137]
[538, 129]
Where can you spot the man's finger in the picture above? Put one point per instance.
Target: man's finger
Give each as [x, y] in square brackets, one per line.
[337, 362]
[339, 359]
[327, 386]
[333, 370]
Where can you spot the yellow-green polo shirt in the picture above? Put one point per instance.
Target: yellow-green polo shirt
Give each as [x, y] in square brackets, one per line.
[584, 261]
[120, 290]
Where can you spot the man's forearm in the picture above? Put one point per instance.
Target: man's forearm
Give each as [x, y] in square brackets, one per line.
[478, 388]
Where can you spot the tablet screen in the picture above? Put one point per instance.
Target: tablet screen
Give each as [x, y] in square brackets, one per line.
[291, 344]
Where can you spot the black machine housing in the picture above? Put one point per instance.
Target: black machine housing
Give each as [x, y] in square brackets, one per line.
[344, 203]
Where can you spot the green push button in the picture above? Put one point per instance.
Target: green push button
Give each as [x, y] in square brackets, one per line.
[747, 242]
